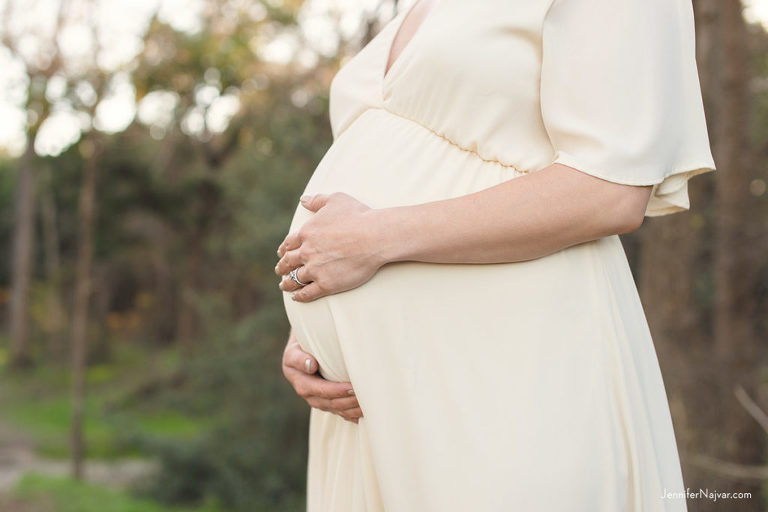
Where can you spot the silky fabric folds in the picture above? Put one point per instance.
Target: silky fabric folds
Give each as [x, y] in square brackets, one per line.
[519, 386]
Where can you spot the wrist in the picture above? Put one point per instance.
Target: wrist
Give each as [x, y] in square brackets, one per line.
[387, 237]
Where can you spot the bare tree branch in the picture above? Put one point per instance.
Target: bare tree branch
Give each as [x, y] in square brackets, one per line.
[57, 61]
[752, 408]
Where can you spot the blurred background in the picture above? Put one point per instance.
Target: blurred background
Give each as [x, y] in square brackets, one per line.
[151, 156]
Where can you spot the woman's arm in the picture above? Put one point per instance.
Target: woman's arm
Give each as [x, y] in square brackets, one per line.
[520, 219]
[345, 242]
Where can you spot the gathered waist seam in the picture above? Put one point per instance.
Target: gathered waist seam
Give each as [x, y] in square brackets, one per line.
[462, 148]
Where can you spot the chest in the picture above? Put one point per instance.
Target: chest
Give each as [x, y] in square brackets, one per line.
[454, 38]
[469, 55]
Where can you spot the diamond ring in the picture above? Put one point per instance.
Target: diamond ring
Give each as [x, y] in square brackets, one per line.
[293, 274]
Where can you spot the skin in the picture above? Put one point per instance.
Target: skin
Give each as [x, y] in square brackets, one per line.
[407, 29]
[318, 392]
[345, 242]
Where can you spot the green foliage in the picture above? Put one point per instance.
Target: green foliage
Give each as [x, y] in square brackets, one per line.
[184, 249]
[256, 458]
[67, 495]
[39, 406]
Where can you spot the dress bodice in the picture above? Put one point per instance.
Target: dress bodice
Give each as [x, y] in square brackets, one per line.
[609, 87]
[450, 70]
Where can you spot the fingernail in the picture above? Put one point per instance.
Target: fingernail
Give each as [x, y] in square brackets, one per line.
[350, 391]
[293, 296]
[278, 253]
[308, 365]
[304, 198]
[280, 285]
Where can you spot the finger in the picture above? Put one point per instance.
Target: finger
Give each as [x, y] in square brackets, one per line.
[328, 389]
[301, 381]
[352, 415]
[303, 274]
[297, 358]
[291, 242]
[318, 403]
[289, 285]
[353, 412]
[315, 386]
[290, 260]
[308, 293]
[336, 405]
[314, 202]
[343, 404]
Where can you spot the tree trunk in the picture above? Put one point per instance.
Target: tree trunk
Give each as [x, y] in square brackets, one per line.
[734, 315]
[736, 343]
[56, 317]
[23, 237]
[186, 322]
[83, 289]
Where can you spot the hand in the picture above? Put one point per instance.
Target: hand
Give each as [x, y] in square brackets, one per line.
[336, 250]
[318, 392]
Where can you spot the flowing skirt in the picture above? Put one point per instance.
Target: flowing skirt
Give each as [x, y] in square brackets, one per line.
[528, 386]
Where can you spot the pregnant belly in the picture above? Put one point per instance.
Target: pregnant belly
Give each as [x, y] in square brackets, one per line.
[384, 160]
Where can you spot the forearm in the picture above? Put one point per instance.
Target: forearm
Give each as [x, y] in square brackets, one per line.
[520, 219]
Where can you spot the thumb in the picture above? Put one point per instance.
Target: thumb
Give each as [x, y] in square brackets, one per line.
[314, 202]
[310, 366]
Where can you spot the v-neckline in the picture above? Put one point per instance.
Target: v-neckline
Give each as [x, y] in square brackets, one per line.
[387, 73]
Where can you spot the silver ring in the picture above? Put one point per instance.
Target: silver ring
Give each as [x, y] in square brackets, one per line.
[293, 275]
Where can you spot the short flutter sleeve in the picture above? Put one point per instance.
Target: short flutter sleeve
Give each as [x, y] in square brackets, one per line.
[620, 94]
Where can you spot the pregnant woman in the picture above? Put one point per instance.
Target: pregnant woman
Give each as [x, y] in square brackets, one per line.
[457, 259]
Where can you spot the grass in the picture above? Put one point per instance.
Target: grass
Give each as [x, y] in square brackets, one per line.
[38, 405]
[107, 434]
[68, 495]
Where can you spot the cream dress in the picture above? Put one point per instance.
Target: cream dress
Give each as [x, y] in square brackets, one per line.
[530, 386]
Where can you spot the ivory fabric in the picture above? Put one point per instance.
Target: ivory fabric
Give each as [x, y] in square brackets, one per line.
[528, 386]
